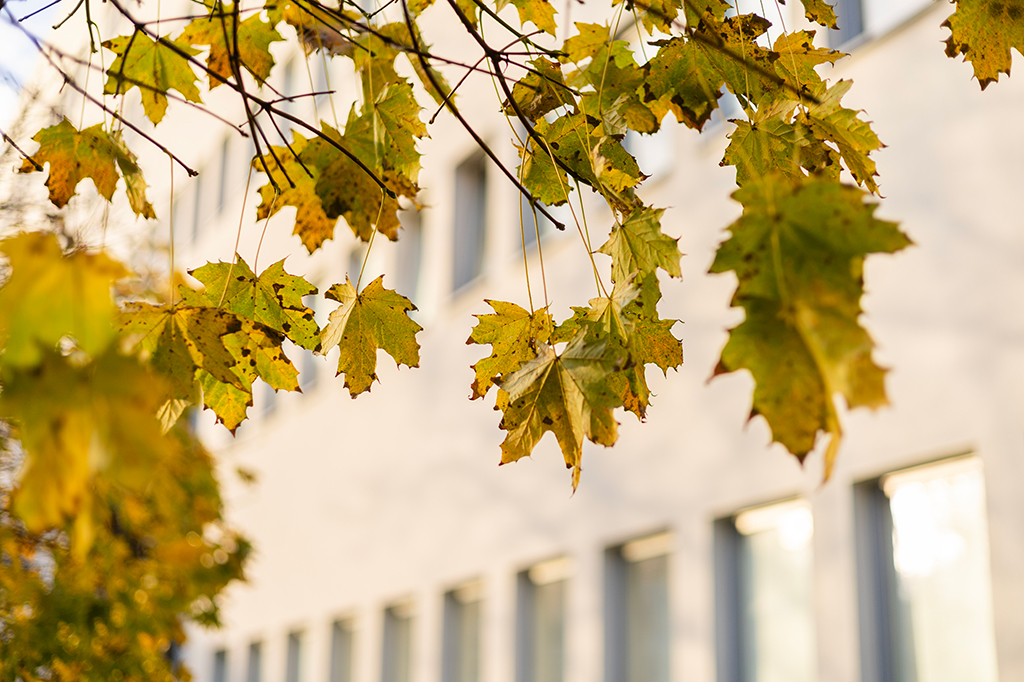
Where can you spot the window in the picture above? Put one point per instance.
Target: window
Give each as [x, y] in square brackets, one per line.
[923, 575]
[225, 173]
[637, 632]
[410, 251]
[397, 643]
[540, 631]
[355, 262]
[850, 19]
[220, 666]
[254, 667]
[341, 651]
[310, 368]
[461, 653]
[470, 221]
[764, 594]
[197, 210]
[293, 658]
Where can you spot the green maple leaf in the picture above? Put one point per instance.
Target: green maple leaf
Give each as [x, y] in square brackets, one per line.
[821, 13]
[652, 340]
[513, 334]
[798, 252]
[830, 121]
[639, 245]
[91, 153]
[274, 298]
[983, 31]
[49, 296]
[540, 91]
[181, 339]
[153, 67]
[218, 32]
[229, 403]
[375, 318]
[567, 394]
[598, 160]
[687, 75]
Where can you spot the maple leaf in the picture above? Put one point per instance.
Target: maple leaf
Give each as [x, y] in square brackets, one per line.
[254, 36]
[820, 12]
[282, 164]
[567, 394]
[540, 12]
[91, 153]
[599, 161]
[796, 60]
[798, 252]
[153, 67]
[375, 318]
[829, 121]
[540, 91]
[49, 296]
[686, 76]
[983, 31]
[274, 298]
[181, 339]
[639, 245]
[513, 334]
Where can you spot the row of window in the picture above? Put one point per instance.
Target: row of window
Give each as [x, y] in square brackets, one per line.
[923, 585]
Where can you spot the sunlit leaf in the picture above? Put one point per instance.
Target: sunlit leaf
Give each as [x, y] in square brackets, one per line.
[154, 68]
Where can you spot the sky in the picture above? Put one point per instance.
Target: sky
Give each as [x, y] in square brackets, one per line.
[18, 55]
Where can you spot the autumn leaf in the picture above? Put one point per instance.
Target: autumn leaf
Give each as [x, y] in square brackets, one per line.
[375, 318]
[49, 296]
[983, 31]
[154, 68]
[798, 252]
[539, 12]
[513, 334]
[74, 420]
[687, 75]
[540, 91]
[829, 121]
[567, 394]
[820, 12]
[75, 155]
[274, 298]
[181, 339]
[218, 32]
[639, 246]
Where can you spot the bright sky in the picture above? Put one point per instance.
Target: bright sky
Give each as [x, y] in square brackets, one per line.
[17, 54]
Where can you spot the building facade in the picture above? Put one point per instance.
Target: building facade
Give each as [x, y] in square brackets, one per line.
[391, 548]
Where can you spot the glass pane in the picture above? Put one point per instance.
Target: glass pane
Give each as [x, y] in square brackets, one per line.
[462, 635]
[254, 671]
[220, 666]
[294, 659]
[777, 600]
[548, 631]
[397, 644]
[341, 652]
[470, 220]
[647, 620]
[940, 550]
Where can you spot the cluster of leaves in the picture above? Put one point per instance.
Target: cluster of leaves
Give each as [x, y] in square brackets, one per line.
[110, 527]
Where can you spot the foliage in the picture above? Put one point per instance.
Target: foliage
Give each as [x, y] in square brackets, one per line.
[94, 387]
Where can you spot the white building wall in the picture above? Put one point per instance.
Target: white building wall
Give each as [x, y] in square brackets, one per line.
[394, 496]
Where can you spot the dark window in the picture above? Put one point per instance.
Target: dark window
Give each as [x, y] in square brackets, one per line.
[254, 667]
[220, 666]
[342, 637]
[293, 658]
[637, 631]
[470, 221]
[410, 253]
[540, 638]
[397, 647]
[850, 19]
[461, 652]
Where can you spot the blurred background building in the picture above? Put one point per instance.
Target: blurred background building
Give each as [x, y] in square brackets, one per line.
[391, 548]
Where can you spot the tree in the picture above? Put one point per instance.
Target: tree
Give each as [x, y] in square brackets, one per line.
[111, 527]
